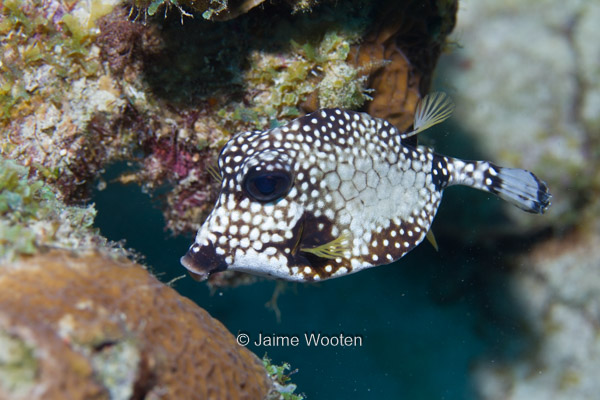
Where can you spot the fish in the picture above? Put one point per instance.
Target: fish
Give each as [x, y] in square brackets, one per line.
[335, 192]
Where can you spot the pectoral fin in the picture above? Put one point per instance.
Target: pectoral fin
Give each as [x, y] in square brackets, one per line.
[215, 173]
[335, 249]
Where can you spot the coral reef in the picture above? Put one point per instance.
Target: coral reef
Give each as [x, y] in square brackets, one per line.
[59, 111]
[89, 327]
[83, 86]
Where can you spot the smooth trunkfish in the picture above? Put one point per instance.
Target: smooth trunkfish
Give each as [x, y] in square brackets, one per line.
[335, 192]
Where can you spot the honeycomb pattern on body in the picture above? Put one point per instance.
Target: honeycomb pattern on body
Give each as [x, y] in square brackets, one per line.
[353, 176]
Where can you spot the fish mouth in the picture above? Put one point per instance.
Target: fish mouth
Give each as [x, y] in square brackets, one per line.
[203, 261]
[194, 272]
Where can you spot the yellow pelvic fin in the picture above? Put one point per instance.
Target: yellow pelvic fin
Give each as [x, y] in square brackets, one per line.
[432, 240]
[334, 249]
[434, 108]
[213, 170]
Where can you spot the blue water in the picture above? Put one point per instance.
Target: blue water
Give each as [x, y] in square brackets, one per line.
[424, 321]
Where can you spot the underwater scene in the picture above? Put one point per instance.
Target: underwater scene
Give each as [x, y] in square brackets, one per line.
[246, 199]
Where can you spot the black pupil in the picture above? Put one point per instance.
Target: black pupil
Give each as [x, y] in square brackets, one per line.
[267, 185]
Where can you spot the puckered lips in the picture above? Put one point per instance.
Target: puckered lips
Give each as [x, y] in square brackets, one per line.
[202, 261]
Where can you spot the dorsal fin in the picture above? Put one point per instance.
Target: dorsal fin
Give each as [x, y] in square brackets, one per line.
[434, 108]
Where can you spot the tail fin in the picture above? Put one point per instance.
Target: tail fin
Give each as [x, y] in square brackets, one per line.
[517, 186]
[521, 188]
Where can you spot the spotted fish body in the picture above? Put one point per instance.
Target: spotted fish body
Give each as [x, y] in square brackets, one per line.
[335, 192]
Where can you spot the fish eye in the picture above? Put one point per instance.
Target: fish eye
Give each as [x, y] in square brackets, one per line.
[265, 186]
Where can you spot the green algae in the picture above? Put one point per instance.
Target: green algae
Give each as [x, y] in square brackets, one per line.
[18, 365]
[31, 41]
[32, 216]
[117, 367]
[310, 66]
[208, 9]
[283, 388]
